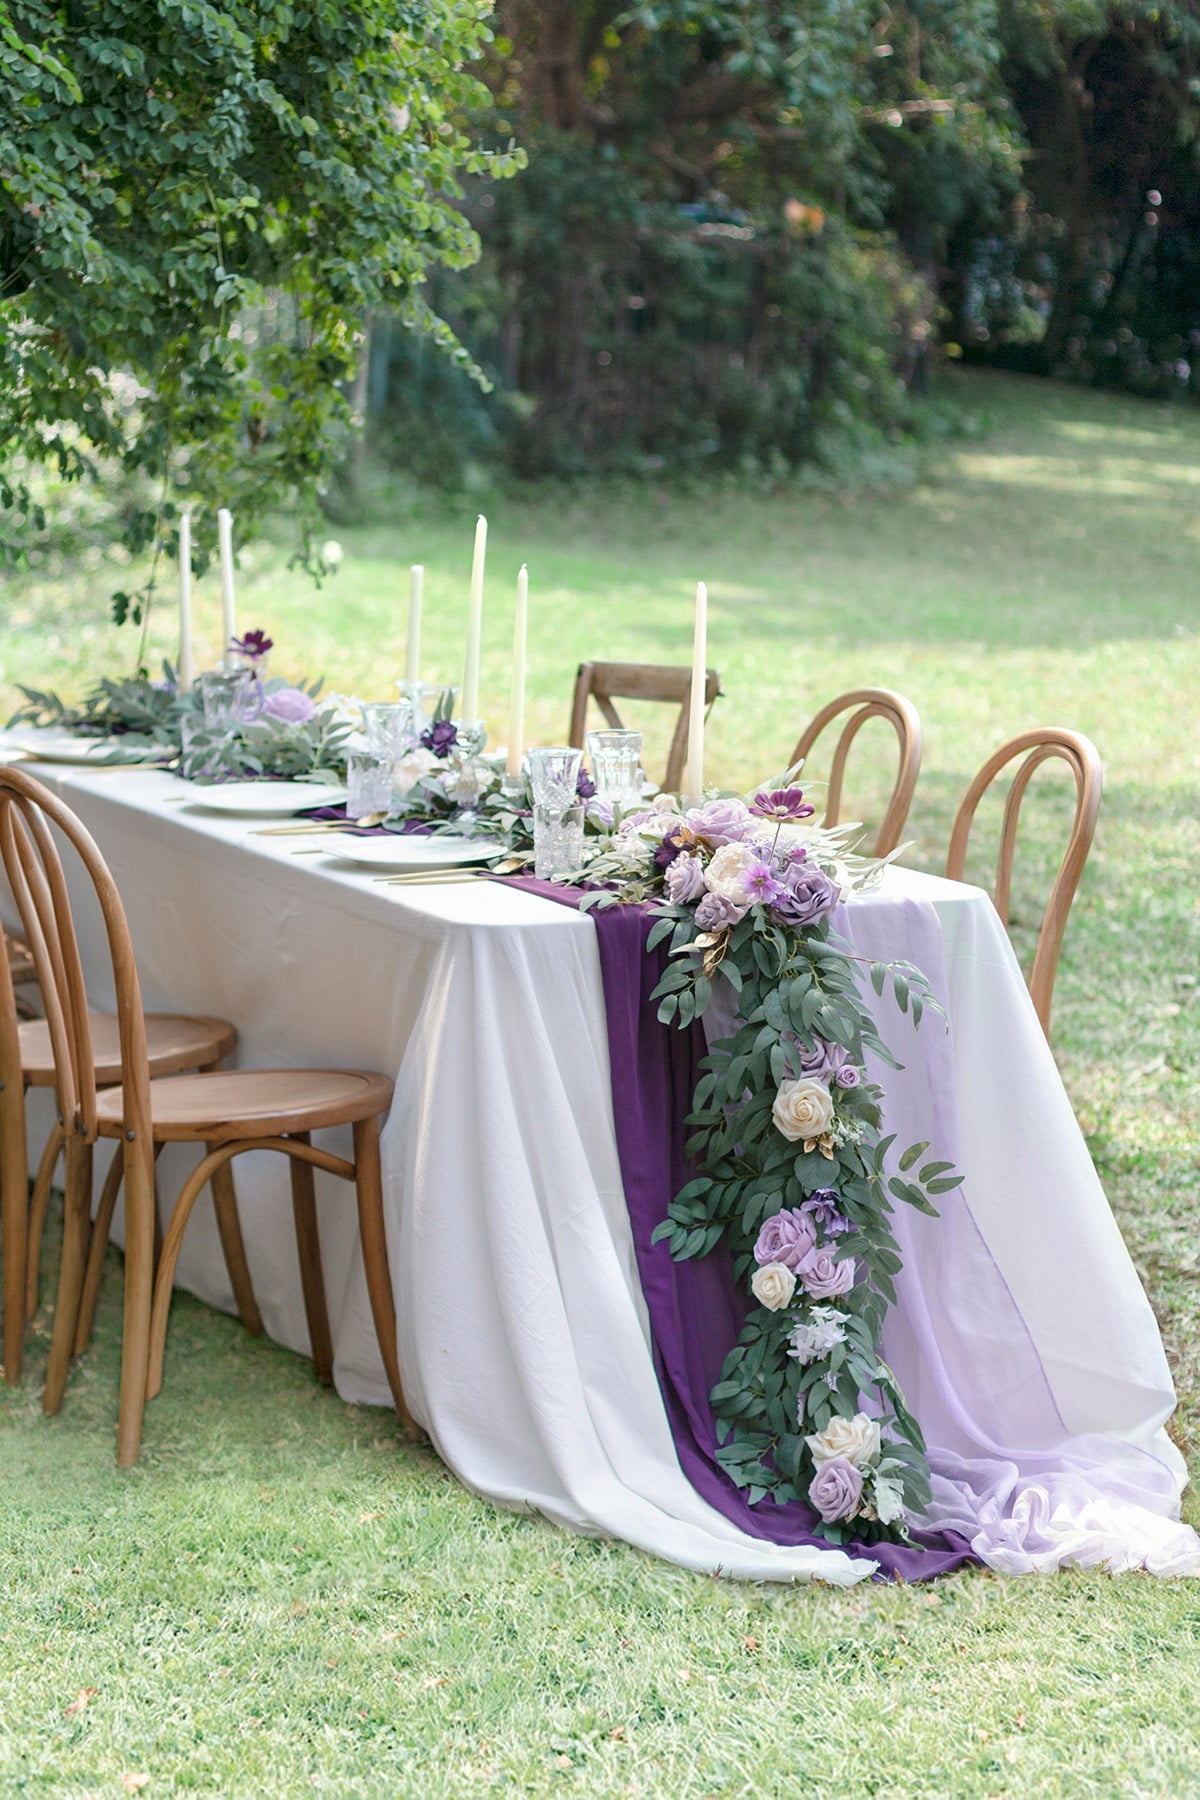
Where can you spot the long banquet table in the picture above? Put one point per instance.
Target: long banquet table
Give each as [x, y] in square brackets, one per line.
[1022, 1336]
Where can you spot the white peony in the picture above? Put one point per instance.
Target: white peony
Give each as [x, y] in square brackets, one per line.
[773, 1285]
[803, 1110]
[824, 1327]
[410, 769]
[726, 874]
[856, 1439]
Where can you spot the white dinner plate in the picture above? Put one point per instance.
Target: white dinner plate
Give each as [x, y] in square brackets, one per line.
[410, 852]
[50, 746]
[267, 799]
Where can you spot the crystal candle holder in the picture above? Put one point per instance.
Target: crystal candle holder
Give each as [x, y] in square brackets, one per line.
[557, 840]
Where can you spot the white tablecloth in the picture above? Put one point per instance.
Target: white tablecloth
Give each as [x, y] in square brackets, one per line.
[523, 1338]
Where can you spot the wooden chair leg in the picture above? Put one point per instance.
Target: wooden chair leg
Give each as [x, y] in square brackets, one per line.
[14, 1224]
[39, 1200]
[229, 1225]
[77, 1222]
[97, 1249]
[140, 1209]
[308, 1246]
[369, 1185]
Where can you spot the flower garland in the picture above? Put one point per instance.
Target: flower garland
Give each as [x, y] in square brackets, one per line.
[787, 1136]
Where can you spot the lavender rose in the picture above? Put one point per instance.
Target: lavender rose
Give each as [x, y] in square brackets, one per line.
[786, 1237]
[823, 1278]
[808, 894]
[721, 821]
[823, 1061]
[684, 880]
[836, 1489]
[848, 1076]
[292, 706]
[715, 912]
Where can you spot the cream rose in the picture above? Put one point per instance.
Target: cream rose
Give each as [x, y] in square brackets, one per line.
[803, 1109]
[856, 1439]
[726, 874]
[773, 1285]
[408, 771]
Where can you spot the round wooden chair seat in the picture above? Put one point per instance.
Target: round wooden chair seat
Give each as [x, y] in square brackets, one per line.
[216, 1108]
[175, 1041]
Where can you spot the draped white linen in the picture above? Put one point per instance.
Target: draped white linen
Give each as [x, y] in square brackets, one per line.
[523, 1337]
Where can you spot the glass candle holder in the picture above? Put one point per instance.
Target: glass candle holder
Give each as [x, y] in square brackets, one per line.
[368, 783]
[557, 840]
[617, 767]
[226, 695]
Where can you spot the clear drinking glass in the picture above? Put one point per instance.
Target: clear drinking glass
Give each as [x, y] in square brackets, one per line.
[368, 783]
[617, 766]
[553, 775]
[557, 840]
[226, 695]
[389, 726]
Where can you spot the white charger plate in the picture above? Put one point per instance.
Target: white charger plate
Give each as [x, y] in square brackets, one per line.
[266, 799]
[46, 745]
[410, 852]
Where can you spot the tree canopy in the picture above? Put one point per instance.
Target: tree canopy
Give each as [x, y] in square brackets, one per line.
[199, 203]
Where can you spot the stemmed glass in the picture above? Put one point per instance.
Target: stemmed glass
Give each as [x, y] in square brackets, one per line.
[617, 766]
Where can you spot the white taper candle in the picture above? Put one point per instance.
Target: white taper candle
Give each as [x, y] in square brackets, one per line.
[516, 700]
[225, 544]
[469, 707]
[186, 668]
[412, 648]
[694, 786]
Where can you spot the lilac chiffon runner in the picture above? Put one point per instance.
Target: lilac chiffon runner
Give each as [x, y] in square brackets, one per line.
[695, 1308]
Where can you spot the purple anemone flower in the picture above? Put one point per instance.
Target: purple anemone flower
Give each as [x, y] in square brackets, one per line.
[254, 644]
[784, 804]
[760, 879]
[441, 738]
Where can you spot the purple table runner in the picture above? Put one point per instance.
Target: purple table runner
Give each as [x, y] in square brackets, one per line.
[696, 1309]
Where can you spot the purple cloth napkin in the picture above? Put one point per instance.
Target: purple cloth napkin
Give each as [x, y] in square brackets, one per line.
[696, 1309]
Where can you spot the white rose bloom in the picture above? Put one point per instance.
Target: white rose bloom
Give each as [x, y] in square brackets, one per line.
[803, 1109]
[665, 803]
[889, 1499]
[773, 1285]
[411, 767]
[726, 873]
[856, 1439]
[824, 1327]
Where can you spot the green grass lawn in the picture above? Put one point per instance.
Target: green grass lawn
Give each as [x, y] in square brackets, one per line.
[284, 1599]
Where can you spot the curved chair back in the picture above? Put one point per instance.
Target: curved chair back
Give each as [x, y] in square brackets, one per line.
[605, 682]
[863, 704]
[1038, 747]
[35, 873]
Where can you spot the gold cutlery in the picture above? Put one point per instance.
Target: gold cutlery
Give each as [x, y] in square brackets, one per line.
[364, 823]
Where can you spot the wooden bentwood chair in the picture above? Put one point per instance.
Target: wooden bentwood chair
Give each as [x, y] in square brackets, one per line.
[1083, 759]
[228, 1111]
[864, 704]
[605, 682]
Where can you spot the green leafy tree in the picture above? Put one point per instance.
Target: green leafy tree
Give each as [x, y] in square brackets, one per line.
[200, 205]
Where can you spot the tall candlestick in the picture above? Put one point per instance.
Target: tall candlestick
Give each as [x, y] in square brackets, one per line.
[516, 699]
[186, 668]
[225, 542]
[412, 649]
[695, 754]
[470, 693]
